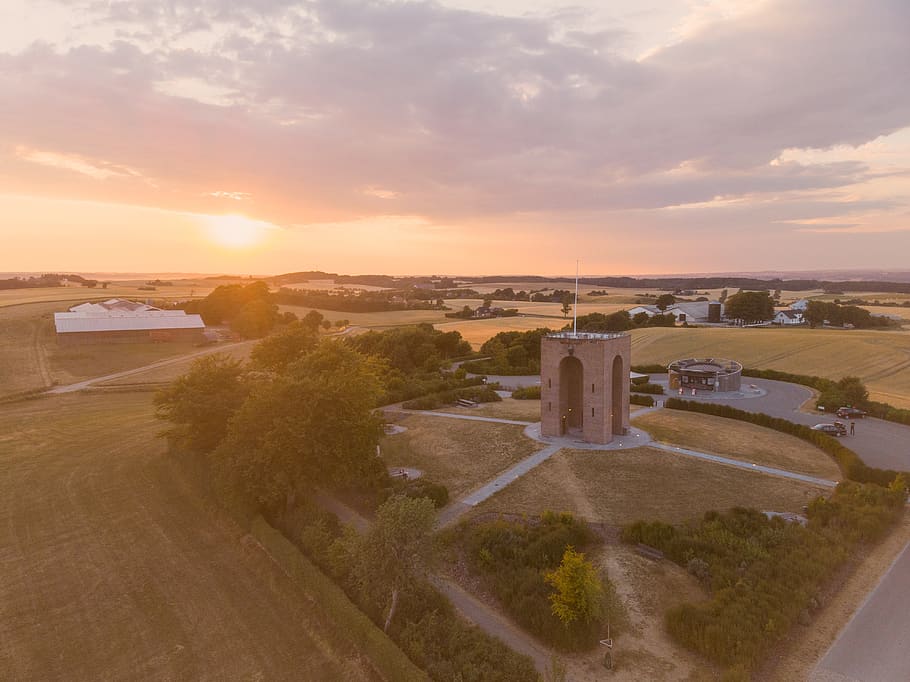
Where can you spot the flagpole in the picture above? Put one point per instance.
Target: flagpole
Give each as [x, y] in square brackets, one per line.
[575, 307]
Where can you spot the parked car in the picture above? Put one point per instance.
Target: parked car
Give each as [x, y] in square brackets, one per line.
[835, 429]
[850, 413]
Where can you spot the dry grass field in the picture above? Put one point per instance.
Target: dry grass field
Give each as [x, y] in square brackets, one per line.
[509, 408]
[114, 569]
[462, 455]
[23, 361]
[72, 295]
[625, 485]
[738, 440]
[881, 359]
[160, 375]
[380, 320]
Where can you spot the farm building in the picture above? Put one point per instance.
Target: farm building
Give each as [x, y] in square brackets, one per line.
[125, 322]
[788, 317]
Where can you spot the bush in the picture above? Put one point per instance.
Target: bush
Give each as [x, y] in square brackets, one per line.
[650, 369]
[765, 573]
[645, 400]
[436, 492]
[527, 393]
[479, 394]
[653, 389]
[513, 559]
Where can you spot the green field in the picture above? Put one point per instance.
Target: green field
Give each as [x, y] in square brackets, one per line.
[115, 568]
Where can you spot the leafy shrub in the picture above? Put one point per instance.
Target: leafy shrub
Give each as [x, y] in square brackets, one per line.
[478, 393]
[765, 573]
[527, 393]
[645, 400]
[653, 389]
[513, 560]
[421, 487]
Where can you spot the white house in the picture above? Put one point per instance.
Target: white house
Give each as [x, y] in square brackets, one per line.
[649, 310]
[788, 317]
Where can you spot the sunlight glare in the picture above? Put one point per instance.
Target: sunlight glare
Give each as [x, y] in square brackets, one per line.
[235, 231]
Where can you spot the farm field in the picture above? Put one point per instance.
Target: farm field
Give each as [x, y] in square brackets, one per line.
[115, 569]
[738, 440]
[73, 295]
[379, 320]
[23, 362]
[159, 375]
[881, 359]
[460, 454]
[622, 486]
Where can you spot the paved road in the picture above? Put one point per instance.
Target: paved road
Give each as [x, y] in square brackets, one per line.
[879, 443]
[71, 388]
[873, 647]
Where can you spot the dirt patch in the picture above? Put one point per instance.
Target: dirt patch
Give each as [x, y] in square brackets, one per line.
[644, 483]
[460, 454]
[738, 440]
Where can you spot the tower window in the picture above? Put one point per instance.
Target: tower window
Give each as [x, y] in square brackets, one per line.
[549, 407]
[549, 383]
[592, 411]
[592, 388]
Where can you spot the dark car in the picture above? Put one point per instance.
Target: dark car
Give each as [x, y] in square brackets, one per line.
[835, 429]
[850, 413]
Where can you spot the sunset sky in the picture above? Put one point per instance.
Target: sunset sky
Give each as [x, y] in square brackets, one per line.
[459, 136]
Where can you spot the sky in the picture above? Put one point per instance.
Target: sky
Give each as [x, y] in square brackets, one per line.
[457, 137]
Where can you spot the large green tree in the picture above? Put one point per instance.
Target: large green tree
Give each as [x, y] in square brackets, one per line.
[200, 403]
[313, 425]
[285, 346]
[750, 306]
[396, 551]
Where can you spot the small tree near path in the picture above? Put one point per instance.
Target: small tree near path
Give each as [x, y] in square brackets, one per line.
[578, 593]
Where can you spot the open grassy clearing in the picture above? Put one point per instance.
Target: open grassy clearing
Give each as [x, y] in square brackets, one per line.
[379, 320]
[159, 375]
[643, 483]
[881, 359]
[462, 455]
[114, 568]
[738, 440]
[509, 408]
[23, 363]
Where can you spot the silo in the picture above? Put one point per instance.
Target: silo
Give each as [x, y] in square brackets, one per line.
[714, 309]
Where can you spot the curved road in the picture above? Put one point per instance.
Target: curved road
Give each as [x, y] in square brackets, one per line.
[880, 444]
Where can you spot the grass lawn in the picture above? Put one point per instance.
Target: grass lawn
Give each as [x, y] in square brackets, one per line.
[625, 485]
[880, 358]
[460, 454]
[738, 440]
[509, 408]
[114, 568]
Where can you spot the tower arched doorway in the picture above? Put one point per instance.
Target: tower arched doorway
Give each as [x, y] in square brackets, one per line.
[571, 395]
[618, 380]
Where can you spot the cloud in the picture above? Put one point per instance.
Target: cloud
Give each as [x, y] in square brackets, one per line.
[327, 110]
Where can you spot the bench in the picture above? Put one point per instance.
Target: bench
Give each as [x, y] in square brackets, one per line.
[649, 552]
[464, 402]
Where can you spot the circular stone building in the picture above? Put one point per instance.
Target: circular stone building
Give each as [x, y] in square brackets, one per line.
[705, 374]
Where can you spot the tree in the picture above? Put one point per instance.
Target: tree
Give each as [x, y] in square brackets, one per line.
[566, 304]
[200, 403]
[487, 302]
[326, 325]
[313, 425]
[396, 551]
[750, 306]
[664, 301]
[853, 391]
[255, 319]
[578, 593]
[291, 343]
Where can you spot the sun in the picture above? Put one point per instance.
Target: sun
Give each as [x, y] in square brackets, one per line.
[235, 231]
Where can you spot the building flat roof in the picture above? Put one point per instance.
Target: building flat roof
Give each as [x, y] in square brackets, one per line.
[67, 323]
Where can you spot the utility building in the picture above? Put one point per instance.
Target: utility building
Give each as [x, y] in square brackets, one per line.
[584, 385]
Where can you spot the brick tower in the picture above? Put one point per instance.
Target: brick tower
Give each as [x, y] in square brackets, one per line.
[584, 385]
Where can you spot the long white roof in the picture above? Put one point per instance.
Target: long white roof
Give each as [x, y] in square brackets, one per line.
[125, 321]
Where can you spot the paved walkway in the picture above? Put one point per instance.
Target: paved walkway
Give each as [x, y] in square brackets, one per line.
[739, 464]
[469, 417]
[81, 385]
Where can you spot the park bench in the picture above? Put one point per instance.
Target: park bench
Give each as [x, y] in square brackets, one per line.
[464, 402]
